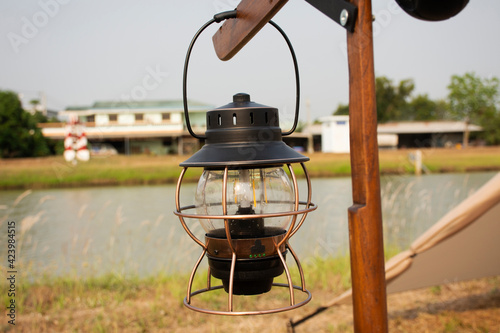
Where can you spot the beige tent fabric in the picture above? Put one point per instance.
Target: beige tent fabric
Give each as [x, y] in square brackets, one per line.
[460, 217]
[472, 252]
[464, 244]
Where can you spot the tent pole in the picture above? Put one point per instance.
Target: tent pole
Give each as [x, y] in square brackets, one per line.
[365, 215]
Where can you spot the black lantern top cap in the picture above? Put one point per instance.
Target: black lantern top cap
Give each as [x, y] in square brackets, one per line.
[243, 133]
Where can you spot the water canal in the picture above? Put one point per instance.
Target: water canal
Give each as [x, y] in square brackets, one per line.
[132, 230]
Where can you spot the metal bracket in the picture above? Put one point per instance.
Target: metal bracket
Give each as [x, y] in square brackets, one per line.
[341, 11]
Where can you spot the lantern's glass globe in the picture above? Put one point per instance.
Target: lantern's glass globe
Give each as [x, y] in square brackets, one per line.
[249, 192]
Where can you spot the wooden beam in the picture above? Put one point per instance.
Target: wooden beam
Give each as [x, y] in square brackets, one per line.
[252, 15]
[365, 216]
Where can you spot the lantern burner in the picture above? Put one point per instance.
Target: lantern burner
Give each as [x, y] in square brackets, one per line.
[257, 263]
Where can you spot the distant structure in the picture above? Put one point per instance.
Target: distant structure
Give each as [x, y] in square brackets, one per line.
[428, 134]
[402, 134]
[335, 134]
[137, 127]
[75, 142]
[158, 128]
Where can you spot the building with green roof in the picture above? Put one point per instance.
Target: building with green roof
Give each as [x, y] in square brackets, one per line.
[136, 127]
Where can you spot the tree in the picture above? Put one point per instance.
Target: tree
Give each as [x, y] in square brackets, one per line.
[342, 110]
[19, 134]
[392, 101]
[422, 108]
[475, 100]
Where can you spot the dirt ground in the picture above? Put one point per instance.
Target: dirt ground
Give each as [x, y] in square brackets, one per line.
[472, 306]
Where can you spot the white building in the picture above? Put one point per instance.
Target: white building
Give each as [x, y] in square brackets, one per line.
[402, 134]
[335, 134]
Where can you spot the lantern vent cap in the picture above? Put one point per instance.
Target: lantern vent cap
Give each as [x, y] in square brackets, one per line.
[243, 133]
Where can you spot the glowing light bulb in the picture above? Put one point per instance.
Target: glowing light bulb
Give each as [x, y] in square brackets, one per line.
[249, 191]
[244, 190]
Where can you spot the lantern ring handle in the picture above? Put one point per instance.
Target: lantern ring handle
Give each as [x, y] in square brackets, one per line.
[217, 19]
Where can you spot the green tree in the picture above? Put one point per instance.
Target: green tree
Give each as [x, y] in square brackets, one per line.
[491, 130]
[475, 100]
[19, 134]
[422, 108]
[342, 110]
[392, 100]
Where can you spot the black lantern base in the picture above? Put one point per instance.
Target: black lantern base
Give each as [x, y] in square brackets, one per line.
[257, 259]
[251, 276]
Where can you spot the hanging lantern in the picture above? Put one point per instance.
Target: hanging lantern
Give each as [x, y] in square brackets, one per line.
[246, 202]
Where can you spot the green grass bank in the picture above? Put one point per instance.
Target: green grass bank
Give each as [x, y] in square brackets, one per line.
[53, 172]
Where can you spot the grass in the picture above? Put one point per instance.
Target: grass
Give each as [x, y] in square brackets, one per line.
[45, 294]
[115, 170]
[113, 303]
[139, 169]
[116, 303]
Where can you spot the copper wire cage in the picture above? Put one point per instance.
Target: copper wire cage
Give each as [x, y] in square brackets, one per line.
[301, 208]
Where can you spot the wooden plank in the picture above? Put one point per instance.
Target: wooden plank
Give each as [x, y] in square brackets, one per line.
[251, 16]
[365, 216]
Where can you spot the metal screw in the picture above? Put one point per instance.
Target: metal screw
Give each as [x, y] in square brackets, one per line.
[344, 17]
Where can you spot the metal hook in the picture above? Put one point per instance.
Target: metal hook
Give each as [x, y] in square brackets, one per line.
[219, 18]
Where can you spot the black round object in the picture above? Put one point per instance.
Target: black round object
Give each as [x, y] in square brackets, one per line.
[432, 10]
[251, 276]
[243, 133]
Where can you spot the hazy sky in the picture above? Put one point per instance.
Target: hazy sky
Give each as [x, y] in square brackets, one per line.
[79, 52]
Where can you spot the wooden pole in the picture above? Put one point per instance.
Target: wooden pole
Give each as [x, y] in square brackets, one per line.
[365, 216]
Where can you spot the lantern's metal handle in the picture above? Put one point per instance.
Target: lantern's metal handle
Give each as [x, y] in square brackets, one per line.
[219, 18]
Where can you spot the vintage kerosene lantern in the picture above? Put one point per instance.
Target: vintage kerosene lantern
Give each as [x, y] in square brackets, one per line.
[246, 202]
